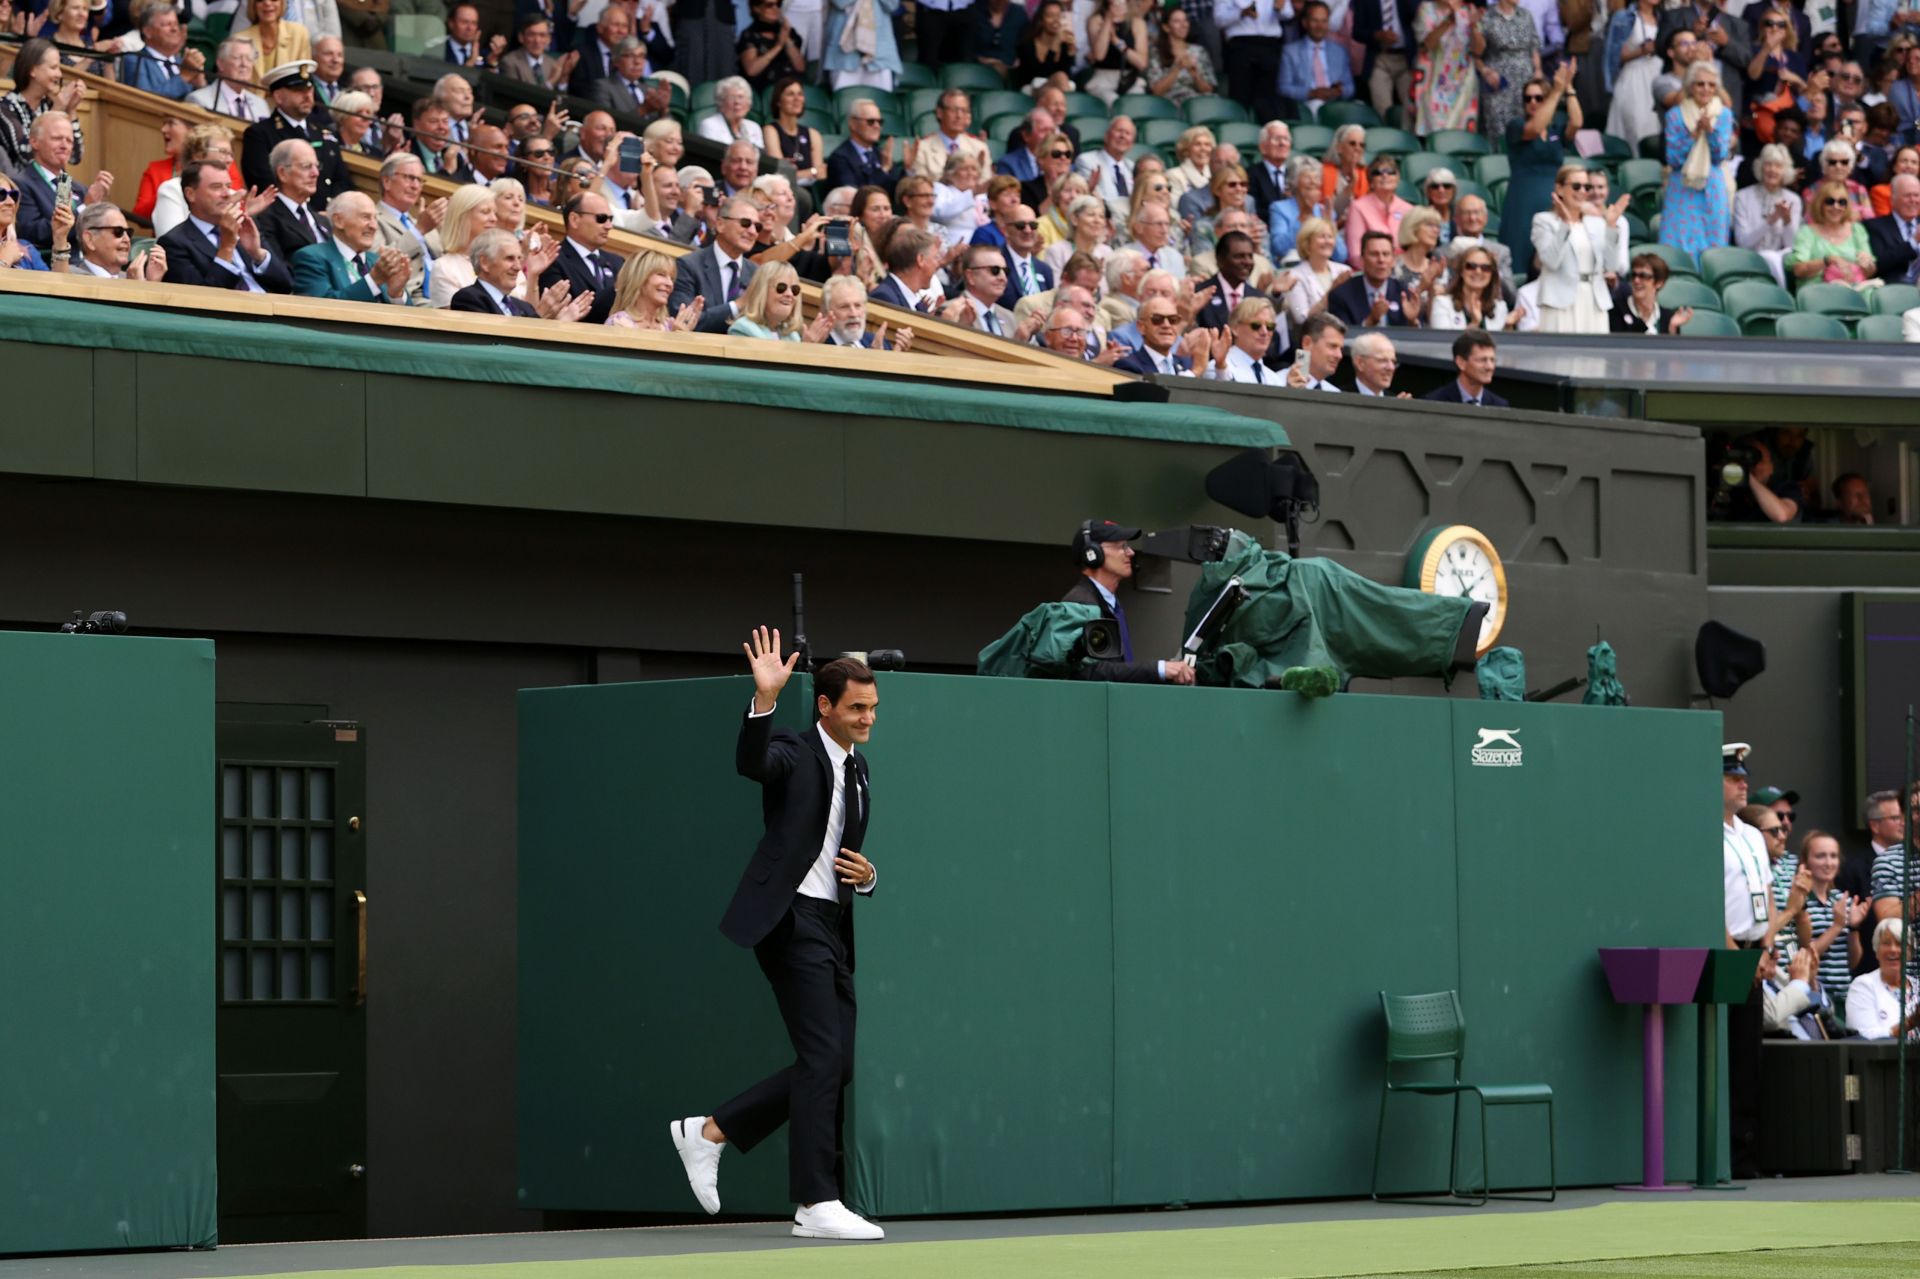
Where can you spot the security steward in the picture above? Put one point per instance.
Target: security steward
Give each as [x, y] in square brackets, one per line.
[290, 87]
[1748, 879]
[1104, 555]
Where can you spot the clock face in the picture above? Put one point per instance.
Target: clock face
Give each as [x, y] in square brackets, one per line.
[1459, 562]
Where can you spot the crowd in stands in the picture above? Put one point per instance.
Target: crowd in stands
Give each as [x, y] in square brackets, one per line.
[1231, 157]
[1833, 941]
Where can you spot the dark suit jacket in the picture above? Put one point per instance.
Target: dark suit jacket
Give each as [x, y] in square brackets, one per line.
[796, 795]
[845, 169]
[190, 261]
[890, 292]
[1449, 393]
[591, 66]
[1140, 362]
[697, 275]
[34, 222]
[1893, 254]
[262, 136]
[282, 233]
[1262, 190]
[1042, 281]
[572, 268]
[1214, 313]
[1083, 592]
[1366, 25]
[613, 94]
[476, 298]
[1349, 301]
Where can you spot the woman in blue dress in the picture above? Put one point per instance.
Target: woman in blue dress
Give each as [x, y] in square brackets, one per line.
[1697, 212]
[1536, 148]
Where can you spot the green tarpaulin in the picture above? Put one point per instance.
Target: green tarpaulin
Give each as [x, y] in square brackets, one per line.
[1041, 643]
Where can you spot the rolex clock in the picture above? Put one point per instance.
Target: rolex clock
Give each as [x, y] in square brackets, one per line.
[1458, 559]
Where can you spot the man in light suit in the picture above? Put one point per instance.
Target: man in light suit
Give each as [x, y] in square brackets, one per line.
[231, 94]
[1102, 552]
[1313, 69]
[719, 273]
[955, 115]
[405, 219]
[344, 265]
[529, 61]
[983, 269]
[628, 91]
[1109, 170]
[583, 261]
[1476, 358]
[794, 907]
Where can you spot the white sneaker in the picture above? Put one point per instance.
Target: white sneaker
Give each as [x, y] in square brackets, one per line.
[830, 1219]
[702, 1158]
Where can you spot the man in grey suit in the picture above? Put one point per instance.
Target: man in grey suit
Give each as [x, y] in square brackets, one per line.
[529, 62]
[719, 274]
[404, 222]
[627, 91]
[230, 93]
[984, 270]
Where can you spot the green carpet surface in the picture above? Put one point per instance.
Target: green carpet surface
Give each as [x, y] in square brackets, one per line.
[1689, 1239]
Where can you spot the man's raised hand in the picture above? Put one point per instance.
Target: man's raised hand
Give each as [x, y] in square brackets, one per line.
[770, 674]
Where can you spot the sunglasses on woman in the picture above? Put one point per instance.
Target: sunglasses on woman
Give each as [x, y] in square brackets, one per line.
[784, 289]
[9, 195]
[1476, 266]
[1533, 97]
[1834, 202]
[1644, 275]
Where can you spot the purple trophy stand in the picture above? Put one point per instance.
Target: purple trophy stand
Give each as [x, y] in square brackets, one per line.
[1653, 975]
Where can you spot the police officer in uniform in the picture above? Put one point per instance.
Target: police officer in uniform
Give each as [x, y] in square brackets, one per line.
[290, 88]
[1748, 901]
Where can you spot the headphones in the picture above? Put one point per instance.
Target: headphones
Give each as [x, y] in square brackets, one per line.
[1088, 552]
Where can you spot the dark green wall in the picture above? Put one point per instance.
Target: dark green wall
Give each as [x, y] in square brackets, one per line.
[1127, 944]
[106, 783]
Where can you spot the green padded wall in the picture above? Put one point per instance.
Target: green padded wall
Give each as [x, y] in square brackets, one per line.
[1127, 942]
[106, 1085]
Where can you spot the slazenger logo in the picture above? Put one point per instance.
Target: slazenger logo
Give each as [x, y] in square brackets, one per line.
[1488, 755]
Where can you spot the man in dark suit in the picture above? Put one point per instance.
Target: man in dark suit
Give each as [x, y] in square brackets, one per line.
[1101, 550]
[344, 265]
[218, 245]
[794, 907]
[913, 259]
[1384, 28]
[497, 258]
[630, 90]
[291, 92]
[1159, 353]
[1475, 355]
[583, 261]
[1267, 177]
[1371, 296]
[863, 160]
[720, 273]
[464, 46]
[292, 222]
[596, 49]
[1892, 239]
[1236, 256]
[51, 141]
[1026, 273]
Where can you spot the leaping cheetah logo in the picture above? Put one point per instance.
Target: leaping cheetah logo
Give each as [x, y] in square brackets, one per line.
[1488, 736]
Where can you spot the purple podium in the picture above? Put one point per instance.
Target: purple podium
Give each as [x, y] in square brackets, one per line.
[1654, 976]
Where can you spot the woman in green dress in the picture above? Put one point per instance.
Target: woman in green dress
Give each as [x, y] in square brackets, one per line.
[1536, 147]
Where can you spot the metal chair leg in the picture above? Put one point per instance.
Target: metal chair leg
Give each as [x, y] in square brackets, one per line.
[1379, 1139]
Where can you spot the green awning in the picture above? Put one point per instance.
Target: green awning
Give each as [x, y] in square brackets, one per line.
[59, 321]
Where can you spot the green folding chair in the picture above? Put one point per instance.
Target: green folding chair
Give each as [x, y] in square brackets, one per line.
[1841, 301]
[1681, 291]
[1382, 140]
[1710, 324]
[1335, 114]
[1489, 169]
[1312, 139]
[1162, 133]
[973, 76]
[917, 75]
[1209, 108]
[1414, 169]
[1463, 142]
[1678, 260]
[1001, 127]
[1809, 326]
[1876, 328]
[995, 102]
[1239, 133]
[1893, 299]
[1079, 103]
[1723, 265]
[1092, 130]
[1755, 304]
[1141, 107]
[923, 100]
[413, 32]
[1426, 1029]
[1645, 181]
[885, 99]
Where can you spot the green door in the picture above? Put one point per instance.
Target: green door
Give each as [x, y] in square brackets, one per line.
[292, 981]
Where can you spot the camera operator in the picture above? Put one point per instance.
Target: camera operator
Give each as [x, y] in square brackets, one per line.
[1101, 549]
[1764, 495]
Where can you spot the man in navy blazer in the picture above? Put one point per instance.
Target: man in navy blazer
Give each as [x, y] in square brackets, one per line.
[1313, 69]
[1476, 357]
[218, 245]
[344, 265]
[1371, 296]
[1891, 239]
[50, 139]
[719, 273]
[1026, 273]
[1385, 29]
[1159, 354]
[863, 160]
[794, 907]
[583, 261]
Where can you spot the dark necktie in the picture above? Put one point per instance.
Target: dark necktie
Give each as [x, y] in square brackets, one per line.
[733, 281]
[1120, 182]
[1126, 639]
[1259, 374]
[854, 809]
[993, 321]
[306, 223]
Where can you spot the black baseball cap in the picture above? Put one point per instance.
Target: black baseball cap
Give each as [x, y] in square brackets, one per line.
[1108, 531]
[1771, 795]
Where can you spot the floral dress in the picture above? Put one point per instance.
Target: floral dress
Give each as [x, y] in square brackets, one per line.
[1696, 220]
[1512, 40]
[1443, 93]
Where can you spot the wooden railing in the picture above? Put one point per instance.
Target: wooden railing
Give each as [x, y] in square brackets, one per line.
[123, 136]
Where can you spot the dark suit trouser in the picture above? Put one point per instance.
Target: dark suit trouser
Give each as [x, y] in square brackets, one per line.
[1253, 75]
[805, 960]
[944, 37]
[1745, 1028]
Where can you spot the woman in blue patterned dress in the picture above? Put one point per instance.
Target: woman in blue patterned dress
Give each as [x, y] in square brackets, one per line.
[1509, 57]
[1697, 212]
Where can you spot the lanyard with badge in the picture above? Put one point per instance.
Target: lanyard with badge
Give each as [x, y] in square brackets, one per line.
[1746, 856]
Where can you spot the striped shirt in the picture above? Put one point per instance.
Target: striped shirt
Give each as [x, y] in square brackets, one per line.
[1783, 872]
[1887, 871]
[1835, 973]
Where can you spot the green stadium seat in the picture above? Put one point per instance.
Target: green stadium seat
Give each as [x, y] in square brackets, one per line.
[1723, 265]
[923, 100]
[1489, 169]
[1162, 133]
[1467, 186]
[1424, 1034]
[1840, 301]
[995, 102]
[1415, 167]
[1398, 118]
[1682, 291]
[1001, 127]
[971, 75]
[1079, 103]
[1457, 142]
[916, 75]
[1213, 109]
[1710, 324]
[1893, 299]
[1496, 196]
[1141, 107]
[1239, 133]
[831, 142]
[882, 98]
[1755, 303]
[1141, 151]
[1805, 326]
[1382, 140]
[1091, 128]
[1638, 232]
[1645, 181]
[1615, 148]
[820, 120]
[1653, 147]
[1312, 139]
[925, 123]
[1678, 260]
[700, 101]
[1880, 328]
[1335, 114]
[413, 32]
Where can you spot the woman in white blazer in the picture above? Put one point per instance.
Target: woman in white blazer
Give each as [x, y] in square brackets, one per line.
[1575, 240]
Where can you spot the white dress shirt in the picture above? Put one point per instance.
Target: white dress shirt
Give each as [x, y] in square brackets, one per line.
[1748, 880]
[1267, 18]
[822, 880]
